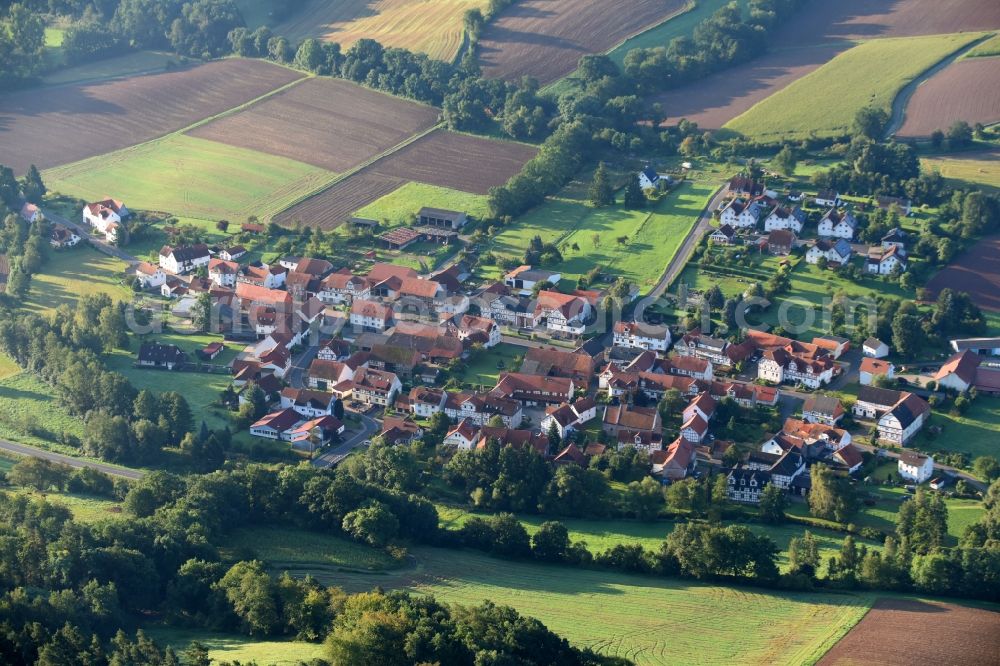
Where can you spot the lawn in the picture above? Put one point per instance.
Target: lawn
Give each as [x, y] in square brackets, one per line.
[395, 209]
[652, 235]
[30, 414]
[483, 371]
[977, 432]
[656, 620]
[72, 273]
[299, 550]
[233, 648]
[601, 535]
[200, 389]
[824, 102]
[977, 168]
[193, 178]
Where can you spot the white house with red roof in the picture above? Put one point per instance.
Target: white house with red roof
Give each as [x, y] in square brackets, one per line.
[106, 216]
[464, 435]
[631, 334]
[564, 313]
[370, 316]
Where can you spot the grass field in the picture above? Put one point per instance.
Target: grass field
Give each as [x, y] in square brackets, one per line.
[191, 177]
[8, 367]
[396, 208]
[977, 432]
[657, 621]
[139, 62]
[978, 168]
[434, 28]
[654, 234]
[72, 273]
[85, 508]
[233, 648]
[290, 549]
[825, 101]
[483, 371]
[30, 414]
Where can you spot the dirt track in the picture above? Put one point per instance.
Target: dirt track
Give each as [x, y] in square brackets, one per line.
[545, 38]
[904, 632]
[58, 125]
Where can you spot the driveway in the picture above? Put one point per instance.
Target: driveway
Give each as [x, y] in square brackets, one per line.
[84, 233]
[335, 455]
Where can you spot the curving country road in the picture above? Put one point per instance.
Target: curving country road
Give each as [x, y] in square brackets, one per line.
[76, 463]
[95, 242]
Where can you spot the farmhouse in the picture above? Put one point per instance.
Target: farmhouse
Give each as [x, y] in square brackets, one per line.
[780, 242]
[870, 368]
[553, 362]
[106, 216]
[690, 366]
[724, 235]
[981, 346]
[307, 402]
[789, 365]
[480, 408]
[902, 205]
[966, 370]
[31, 213]
[262, 275]
[567, 417]
[827, 198]
[743, 186]
[517, 439]
[746, 485]
[524, 278]
[895, 238]
[633, 335]
[838, 254]
[915, 467]
[782, 217]
[343, 288]
[399, 239]
[437, 217]
[838, 224]
[324, 374]
[564, 313]
[463, 436]
[719, 352]
[149, 276]
[676, 462]
[631, 419]
[275, 424]
[183, 259]
[875, 348]
[478, 330]
[822, 409]
[222, 272]
[900, 414]
[155, 355]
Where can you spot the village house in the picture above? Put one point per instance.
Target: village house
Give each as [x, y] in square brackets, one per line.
[275, 424]
[323, 374]
[886, 262]
[563, 313]
[915, 467]
[981, 346]
[724, 235]
[639, 427]
[780, 242]
[648, 178]
[690, 366]
[400, 430]
[106, 216]
[837, 253]
[338, 288]
[524, 278]
[569, 416]
[746, 485]
[744, 186]
[738, 214]
[675, 462]
[848, 458]
[824, 409]
[874, 348]
[184, 259]
[870, 368]
[553, 362]
[464, 435]
[156, 355]
[263, 275]
[223, 272]
[827, 199]
[811, 440]
[472, 330]
[716, 350]
[531, 390]
[965, 370]
[781, 217]
[783, 467]
[31, 213]
[900, 414]
[149, 276]
[896, 238]
[370, 316]
[307, 402]
[887, 203]
[517, 439]
[374, 387]
[61, 236]
[481, 408]
[426, 401]
[632, 334]
[787, 365]
[334, 349]
[838, 224]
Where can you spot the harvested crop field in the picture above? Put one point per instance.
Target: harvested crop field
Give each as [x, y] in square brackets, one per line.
[433, 27]
[545, 38]
[459, 161]
[812, 37]
[888, 634]
[446, 159]
[981, 168]
[976, 272]
[328, 123]
[968, 89]
[59, 125]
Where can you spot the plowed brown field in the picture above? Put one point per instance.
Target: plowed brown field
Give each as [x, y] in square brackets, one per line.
[328, 123]
[904, 632]
[545, 38]
[446, 159]
[51, 126]
[976, 272]
[964, 90]
[812, 37]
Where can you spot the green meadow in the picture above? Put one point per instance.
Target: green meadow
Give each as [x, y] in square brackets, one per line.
[72, 273]
[395, 208]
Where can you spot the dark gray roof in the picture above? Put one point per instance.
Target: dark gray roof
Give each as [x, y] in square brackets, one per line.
[154, 352]
[878, 396]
